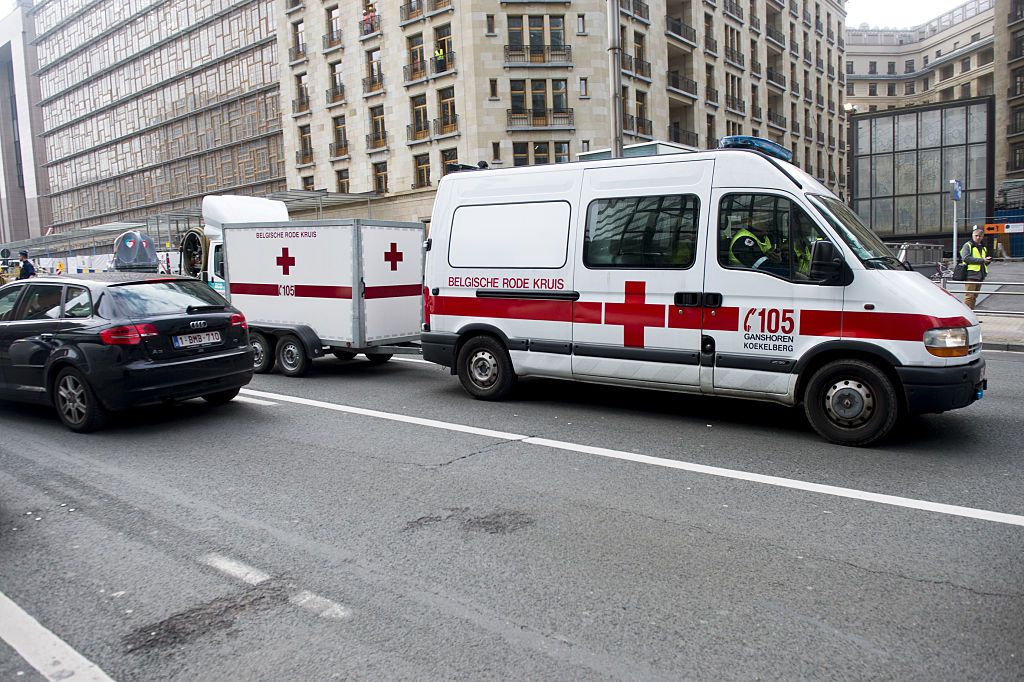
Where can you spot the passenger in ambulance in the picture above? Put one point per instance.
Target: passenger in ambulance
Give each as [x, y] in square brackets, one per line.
[804, 234]
[751, 247]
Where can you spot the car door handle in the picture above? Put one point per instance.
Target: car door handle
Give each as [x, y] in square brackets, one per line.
[46, 337]
[687, 299]
[712, 300]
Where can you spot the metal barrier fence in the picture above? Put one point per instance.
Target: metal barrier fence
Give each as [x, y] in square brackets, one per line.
[945, 282]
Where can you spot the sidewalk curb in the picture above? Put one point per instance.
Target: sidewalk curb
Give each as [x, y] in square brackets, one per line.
[999, 345]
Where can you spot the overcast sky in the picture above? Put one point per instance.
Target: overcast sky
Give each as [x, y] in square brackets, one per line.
[895, 13]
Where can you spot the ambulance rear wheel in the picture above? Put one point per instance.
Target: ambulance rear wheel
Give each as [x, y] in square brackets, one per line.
[262, 353]
[851, 402]
[485, 369]
[291, 357]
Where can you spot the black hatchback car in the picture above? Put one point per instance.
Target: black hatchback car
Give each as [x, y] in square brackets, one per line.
[92, 344]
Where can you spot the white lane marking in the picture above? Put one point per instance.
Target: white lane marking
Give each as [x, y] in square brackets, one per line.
[794, 484]
[432, 423]
[235, 569]
[253, 401]
[321, 606]
[43, 650]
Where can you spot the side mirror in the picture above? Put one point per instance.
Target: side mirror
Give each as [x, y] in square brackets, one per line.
[826, 261]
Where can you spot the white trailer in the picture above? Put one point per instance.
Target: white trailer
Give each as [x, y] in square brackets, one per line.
[308, 288]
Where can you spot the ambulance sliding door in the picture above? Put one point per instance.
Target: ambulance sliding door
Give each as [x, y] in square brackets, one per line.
[640, 273]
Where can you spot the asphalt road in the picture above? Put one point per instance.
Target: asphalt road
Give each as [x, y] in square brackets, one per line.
[277, 540]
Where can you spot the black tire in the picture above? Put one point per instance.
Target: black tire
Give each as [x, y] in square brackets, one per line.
[851, 402]
[378, 358]
[264, 350]
[76, 403]
[485, 369]
[343, 354]
[221, 397]
[292, 360]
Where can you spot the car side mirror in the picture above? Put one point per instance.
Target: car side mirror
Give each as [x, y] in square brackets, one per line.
[826, 261]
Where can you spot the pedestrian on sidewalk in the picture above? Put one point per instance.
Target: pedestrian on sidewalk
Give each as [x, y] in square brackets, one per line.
[27, 269]
[975, 255]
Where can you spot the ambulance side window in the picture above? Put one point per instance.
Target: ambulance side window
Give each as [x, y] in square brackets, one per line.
[767, 233]
[642, 232]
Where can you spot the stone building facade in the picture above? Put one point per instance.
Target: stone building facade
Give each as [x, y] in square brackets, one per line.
[385, 97]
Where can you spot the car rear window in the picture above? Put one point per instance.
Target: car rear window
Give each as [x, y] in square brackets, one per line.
[162, 297]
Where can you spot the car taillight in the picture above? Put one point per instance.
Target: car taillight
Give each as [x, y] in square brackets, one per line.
[128, 335]
[238, 320]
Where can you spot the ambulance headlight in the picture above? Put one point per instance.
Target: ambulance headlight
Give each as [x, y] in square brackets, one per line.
[946, 343]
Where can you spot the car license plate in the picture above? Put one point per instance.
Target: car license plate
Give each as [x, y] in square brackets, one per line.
[200, 339]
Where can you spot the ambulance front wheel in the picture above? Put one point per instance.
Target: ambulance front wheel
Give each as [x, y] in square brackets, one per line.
[262, 353]
[485, 368]
[291, 356]
[851, 402]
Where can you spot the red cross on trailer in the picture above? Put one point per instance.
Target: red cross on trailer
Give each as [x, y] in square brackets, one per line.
[393, 257]
[285, 261]
[634, 314]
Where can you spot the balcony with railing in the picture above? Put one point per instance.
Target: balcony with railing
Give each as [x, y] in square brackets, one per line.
[711, 95]
[755, 23]
[304, 157]
[369, 26]
[734, 56]
[1016, 124]
[332, 40]
[832, 106]
[682, 84]
[336, 94]
[644, 127]
[641, 10]
[831, 35]
[446, 125]
[820, 137]
[794, 11]
[293, 6]
[794, 46]
[776, 120]
[339, 149]
[794, 87]
[538, 55]
[377, 140]
[735, 104]
[710, 45]
[297, 52]
[819, 63]
[807, 18]
[416, 132]
[832, 141]
[681, 31]
[628, 123]
[756, 113]
[795, 127]
[755, 67]
[415, 71]
[733, 9]
[842, 43]
[411, 11]
[438, 5]
[540, 118]
[682, 136]
[776, 78]
[300, 105]
[831, 71]
[819, 99]
[775, 35]
[443, 64]
[807, 57]
[373, 83]
[641, 68]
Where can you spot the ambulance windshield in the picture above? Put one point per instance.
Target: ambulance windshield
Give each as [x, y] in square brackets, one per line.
[865, 243]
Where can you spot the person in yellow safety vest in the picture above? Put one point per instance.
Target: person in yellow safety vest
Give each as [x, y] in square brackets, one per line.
[752, 248]
[975, 255]
[439, 58]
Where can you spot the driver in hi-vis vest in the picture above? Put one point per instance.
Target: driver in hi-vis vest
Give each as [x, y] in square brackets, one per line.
[751, 247]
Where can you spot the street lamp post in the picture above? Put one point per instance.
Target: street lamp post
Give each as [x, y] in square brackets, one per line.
[955, 193]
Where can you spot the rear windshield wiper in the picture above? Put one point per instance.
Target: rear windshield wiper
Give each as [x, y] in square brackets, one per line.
[193, 309]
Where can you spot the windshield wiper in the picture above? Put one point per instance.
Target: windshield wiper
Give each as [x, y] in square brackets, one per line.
[888, 259]
[193, 309]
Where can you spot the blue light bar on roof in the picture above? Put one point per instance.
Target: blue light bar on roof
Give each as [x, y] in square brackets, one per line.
[758, 144]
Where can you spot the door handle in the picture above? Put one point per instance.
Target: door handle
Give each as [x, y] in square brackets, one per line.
[687, 299]
[712, 300]
[46, 337]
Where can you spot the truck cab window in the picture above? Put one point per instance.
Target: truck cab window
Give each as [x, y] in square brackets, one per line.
[642, 232]
[767, 233]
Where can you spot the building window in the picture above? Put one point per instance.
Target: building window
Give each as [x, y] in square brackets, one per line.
[946, 73]
[908, 88]
[515, 31]
[872, 89]
[496, 151]
[340, 144]
[341, 180]
[891, 68]
[520, 154]
[975, 37]
[449, 122]
[494, 88]
[541, 152]
[584, 87]
[850, 90]
[924, 84]
[585, 146]
[378, 136]
[449, 160]
[420, 119]
[561, 152]
[965, 65]
[849, 67]
[417, 67]
[305, 154]
[421, 168]
[872, 68]
[380, 177]
[965, 90]
[581, 24]
[517, 93]
[890, 89]
[490, 25]
[298, 40]
[307, 183]
[443, 48]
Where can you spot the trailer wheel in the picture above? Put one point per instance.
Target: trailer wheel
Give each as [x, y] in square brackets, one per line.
[262, 353]
[485, 369]
[343, 354]
[378, 358]
[851, 402]
[291, 357]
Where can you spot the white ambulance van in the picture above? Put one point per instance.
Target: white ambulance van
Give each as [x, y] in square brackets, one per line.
[727, 273]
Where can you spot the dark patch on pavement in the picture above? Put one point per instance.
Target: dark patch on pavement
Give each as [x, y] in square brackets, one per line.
[213, 616]
[495, 523]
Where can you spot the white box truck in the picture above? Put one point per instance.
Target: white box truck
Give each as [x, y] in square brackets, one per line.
[314, 287]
